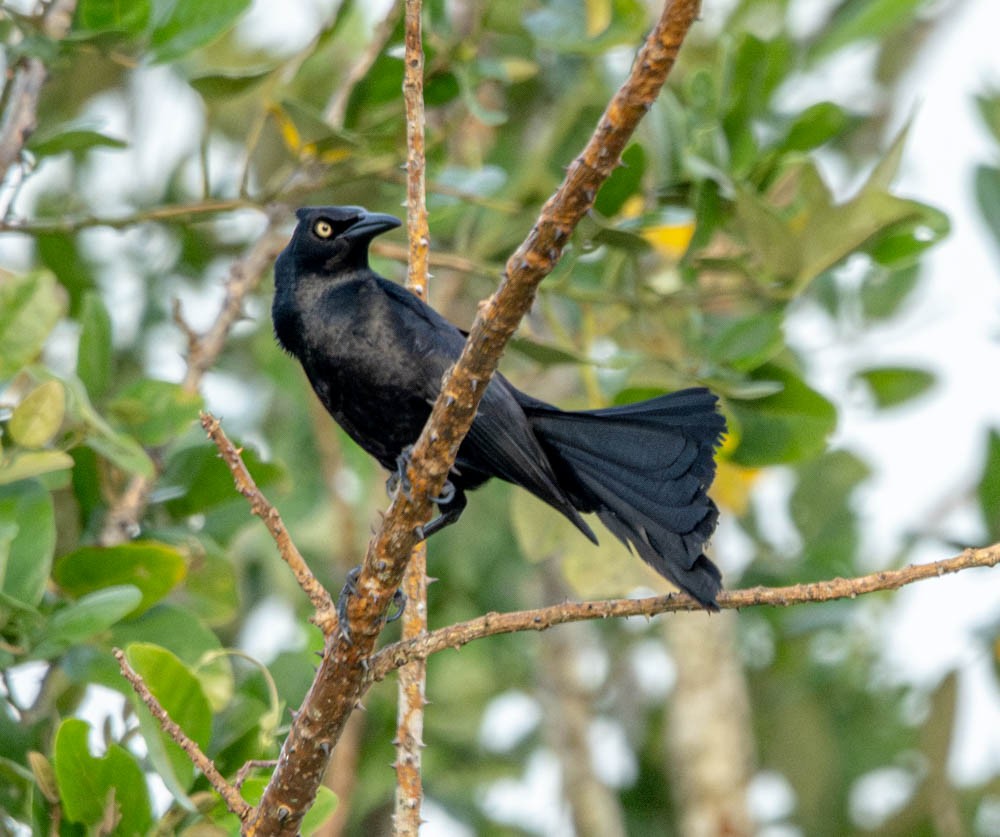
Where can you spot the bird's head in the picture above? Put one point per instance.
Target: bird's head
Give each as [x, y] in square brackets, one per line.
[334, 238]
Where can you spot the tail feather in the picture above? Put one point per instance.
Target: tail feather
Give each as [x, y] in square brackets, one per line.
[645, 469]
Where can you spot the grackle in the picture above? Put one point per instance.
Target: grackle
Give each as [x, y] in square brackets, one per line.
[375, 354]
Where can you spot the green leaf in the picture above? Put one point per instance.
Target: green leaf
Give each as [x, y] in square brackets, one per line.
[75, 140]
[24, 465]
[118, 448]
[190, 24]
[746, 344]
[225, 86]
[988, 490]
[180, 694]
[84, 618]
[565, 26]
[793, 244]
[61, 253]
[625, 181]
[864, 20]
[544, 353]
[30, 306]
[203, 481]
[987, 180]
[175, 628]
[883, 291]
[93, 358]
[821, 509]
[757, 68]
[124, 452]
[789, 426]
[154, 568]
[989, 110]
[128, 16]
[28, 519]
[89, 786]
[814, 126]
[39, 416]
[212, 589]
[155, 412]
[894, 385]
[181, 632]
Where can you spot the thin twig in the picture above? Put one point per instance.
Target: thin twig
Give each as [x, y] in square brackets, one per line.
[413, 677]
[230, 795]
[176, 213]
[27, 77]
[451, 261]
[343, 673]
[336, 110]
[455, 636]
[325, 616]
[244, 277]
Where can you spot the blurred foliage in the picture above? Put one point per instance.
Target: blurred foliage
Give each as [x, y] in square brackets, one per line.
[167, 128]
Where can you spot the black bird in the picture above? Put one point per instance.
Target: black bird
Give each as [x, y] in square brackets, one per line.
[375, 354]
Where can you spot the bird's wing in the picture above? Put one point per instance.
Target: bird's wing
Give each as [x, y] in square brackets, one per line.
[501, 442]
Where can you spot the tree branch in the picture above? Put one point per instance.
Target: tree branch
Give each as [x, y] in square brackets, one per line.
[325, 616]
[27, 77]
[455, 636]
[336, 110]
[412, 690]
[230, 795]
[343, 672]
[176, 214]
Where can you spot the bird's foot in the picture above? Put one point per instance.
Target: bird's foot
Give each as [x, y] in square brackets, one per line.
[399, 600]
[349, 589]
[398, 479]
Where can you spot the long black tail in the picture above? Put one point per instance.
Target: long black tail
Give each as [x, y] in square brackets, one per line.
[644, 469]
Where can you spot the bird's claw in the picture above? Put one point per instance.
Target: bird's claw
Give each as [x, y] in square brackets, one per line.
[349, 589]
[398, 479]
[399, 600]
[447, 494]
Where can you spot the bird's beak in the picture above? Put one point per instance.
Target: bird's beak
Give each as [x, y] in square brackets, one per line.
[371, 224]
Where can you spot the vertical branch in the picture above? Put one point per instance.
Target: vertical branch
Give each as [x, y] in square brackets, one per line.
[569, 711]
[709, 743]
[413, 677]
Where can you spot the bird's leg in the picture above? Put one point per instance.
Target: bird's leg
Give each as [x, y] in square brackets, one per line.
[451, 508]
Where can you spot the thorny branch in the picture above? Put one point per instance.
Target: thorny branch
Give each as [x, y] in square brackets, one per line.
[325, 616]
[231, 796]
[455, 636]
[413, 677]
[342, 675]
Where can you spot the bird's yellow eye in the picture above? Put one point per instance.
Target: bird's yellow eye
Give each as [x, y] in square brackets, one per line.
[323, 228]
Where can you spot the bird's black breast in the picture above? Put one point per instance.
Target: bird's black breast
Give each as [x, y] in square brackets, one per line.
[364, 362]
